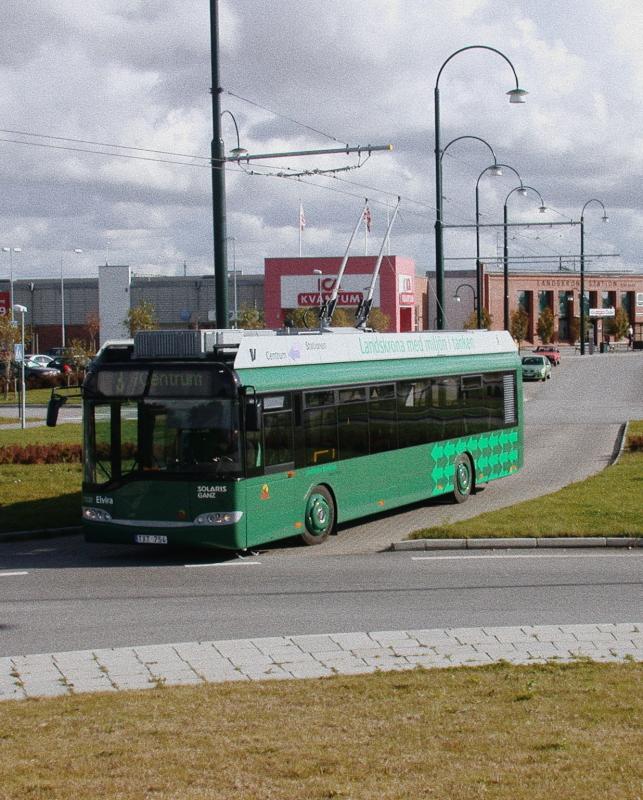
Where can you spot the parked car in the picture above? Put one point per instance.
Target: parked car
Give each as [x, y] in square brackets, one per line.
[62, 364]
[551, 351]
[37, 360]
[33, 371]
[536, 368]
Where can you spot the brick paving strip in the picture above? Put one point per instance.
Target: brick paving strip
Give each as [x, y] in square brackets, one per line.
[315, 656]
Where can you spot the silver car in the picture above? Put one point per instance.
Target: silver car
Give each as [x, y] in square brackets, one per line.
[536, 368]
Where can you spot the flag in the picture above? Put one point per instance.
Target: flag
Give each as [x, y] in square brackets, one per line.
[367, 218]
[302, 218]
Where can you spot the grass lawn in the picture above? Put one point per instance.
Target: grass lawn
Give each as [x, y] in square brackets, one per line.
[607, 504]
[37, 397]
[504, 732]
[69, 432]
[39, 496]
[11, 420]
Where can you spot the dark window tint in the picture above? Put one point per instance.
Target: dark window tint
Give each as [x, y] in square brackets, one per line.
[320, 435]
[414, 412]
[353, 430]
[382, 425]
[354, 395]
[384, 392]
[319, 399]
[474, 406]
[493, 385]
[278, 438]
[447, 407]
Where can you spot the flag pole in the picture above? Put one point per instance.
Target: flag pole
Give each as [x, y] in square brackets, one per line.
[365, 237]
[301, 216]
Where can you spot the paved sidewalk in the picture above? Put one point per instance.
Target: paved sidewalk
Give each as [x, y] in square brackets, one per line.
[314, 656]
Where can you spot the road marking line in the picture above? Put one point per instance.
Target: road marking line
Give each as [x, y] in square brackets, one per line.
[530, 555]
[10, 574]
[223, 564]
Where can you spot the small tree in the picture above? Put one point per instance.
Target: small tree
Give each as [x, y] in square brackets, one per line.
[378, 320]
[545, 325]
[574, 328]
[92, 323]
[250, 318]
[79, 353]
[9, 336]
[518, 325]
[342, 319]
[618, 324]
[141, 318]
[472, 320]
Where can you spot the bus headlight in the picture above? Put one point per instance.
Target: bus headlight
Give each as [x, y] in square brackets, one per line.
[219, 518]
[96, 514]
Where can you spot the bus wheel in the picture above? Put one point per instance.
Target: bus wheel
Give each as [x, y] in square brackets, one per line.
[463, 478]
[319, 518]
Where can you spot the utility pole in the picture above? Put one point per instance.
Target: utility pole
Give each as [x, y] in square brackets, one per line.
[218, 179]
[219, 160]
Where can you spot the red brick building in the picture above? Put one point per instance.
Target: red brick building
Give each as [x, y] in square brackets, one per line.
[294, 283]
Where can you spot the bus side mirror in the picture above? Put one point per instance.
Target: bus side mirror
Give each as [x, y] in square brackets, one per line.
[252, 417]
[53, 407]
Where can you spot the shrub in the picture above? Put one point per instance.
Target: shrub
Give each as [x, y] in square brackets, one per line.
[635, 441]
[41, 454]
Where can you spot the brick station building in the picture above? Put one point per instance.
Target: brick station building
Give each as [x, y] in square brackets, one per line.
[560, 291]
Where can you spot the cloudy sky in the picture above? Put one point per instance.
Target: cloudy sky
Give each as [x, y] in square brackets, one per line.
[312, 74]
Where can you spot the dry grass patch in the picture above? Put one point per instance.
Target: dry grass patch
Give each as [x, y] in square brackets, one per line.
[514, 733]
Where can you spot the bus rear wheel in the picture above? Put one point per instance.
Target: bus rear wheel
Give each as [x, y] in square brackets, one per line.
[462, 478]
[319, 517]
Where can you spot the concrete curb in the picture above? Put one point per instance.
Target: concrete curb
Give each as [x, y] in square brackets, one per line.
[510, 543]
[49, 533]
[619, 446]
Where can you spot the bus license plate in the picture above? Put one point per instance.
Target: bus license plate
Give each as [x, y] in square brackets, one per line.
[150, 538]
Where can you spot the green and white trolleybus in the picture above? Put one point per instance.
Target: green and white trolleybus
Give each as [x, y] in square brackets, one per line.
[235, 438]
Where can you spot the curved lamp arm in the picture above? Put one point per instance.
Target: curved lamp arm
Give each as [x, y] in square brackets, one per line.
[516, 95]
[456, 294]
[477, 138]
[238, 150]
[523, 190]
[498, 166]
[594, 200]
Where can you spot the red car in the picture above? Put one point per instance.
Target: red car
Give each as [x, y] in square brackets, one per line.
[552, 353]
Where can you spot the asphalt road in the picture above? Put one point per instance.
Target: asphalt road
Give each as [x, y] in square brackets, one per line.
[64, 594]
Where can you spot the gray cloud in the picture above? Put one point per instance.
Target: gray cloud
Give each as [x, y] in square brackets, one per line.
[138, 73]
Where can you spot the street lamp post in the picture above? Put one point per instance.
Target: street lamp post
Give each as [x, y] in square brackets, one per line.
[62, 297]
[458, 299]
[605, 218]
[233, 239]
[492, 169]
[522, 190]
[22, 310]
[11, 251]
[516, 95]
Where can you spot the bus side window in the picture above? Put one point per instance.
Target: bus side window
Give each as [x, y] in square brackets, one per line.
[278, 439]
[253, 438]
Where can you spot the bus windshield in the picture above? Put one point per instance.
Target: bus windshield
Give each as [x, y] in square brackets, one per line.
[174, 435]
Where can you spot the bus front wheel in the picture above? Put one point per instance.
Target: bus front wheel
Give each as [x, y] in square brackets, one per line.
[319, 517]
[463, 478]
